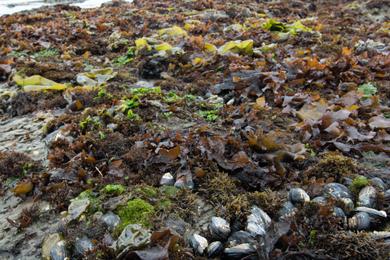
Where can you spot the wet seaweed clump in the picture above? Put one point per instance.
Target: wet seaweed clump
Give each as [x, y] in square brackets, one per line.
[333, 166]
[16, 165]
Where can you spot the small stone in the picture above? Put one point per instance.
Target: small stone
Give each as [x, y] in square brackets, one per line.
[258, 222]
[298, 196]
[219, 228]
[133, 236]
[239, 251]
[76, 208]
[48, 243]
[83, 245]
[214, 249]
[372, 212]
[367, 197]
[288, 210]
[360, 221]
[167, 179]
[58, 251]
[198, 243]
[184, 180]
[378, 183]
[337, 191]
[111, 220]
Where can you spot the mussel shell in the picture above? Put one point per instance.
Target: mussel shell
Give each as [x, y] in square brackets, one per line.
[360, 221]
[298, 196]
[198, 243]
[258, 222]
[378, 183]
[58, 251]
[219, 228]
[239, 251]
[240, 237]
[337, 191]
[83, 245]
[214, 249]
[287, 210]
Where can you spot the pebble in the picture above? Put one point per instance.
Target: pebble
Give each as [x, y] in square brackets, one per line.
[288, 210]
[367, 197]
[338, 212]
[320, 200]
[378, 183]
[111, 220]
[198, 243]
[298, 196]
[167, 179]
[48, 244]
[83, 245]
[76, 208]
[58, 251]
[337, 191]
[219, 228]
[258, 222]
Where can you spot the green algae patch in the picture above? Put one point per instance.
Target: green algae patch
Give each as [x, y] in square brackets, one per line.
[137, 211]
[116, 189]
[94, 202]
[359, 183]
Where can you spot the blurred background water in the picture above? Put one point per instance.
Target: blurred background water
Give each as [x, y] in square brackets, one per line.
[12, 6]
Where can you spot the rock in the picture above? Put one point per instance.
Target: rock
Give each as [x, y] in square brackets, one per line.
[239, 251]
[198, 243]
[372, 212]
[58, 251]
[288, 210]
[214, 249]
[378, 183]
[298, 196]
[338, 212]
[337, 191]
[167, 179]
[320, 200]
[83, 245]
[240, 237]
[219, 228]
[48, 244]
[258, 222]
[112, 127]
[76, 208]
[111, 220]
[184, 180]
[360, 221]
[367, 197]
[133, 236]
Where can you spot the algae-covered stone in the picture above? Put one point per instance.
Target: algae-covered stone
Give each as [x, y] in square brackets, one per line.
[76, 208]
[133, 236]
[48, 244]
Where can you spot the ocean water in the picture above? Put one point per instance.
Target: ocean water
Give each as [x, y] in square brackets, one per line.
[13, 6]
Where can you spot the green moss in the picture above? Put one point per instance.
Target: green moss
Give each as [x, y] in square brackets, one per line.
[367, 90]
[169, 191]
[144, 91]
[137, 211]
[46, 53]
[171, 97]
[147, 191]
[126, 58]
[358, 183]
[114, 189]
[92, 122]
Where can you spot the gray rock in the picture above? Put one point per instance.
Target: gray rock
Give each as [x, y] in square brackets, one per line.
[83, 245]
[367, 197]
[298, 196]
[258, 222]
[240, 237]
[288, 210]
[111, 220]
[48, 243]
[219, 228]
[378, 183]
[76, 208]
[360, 221]
[214, 249]
[58, 251]
[239, 251]
[372, 212]
[337, 191]
[198, 243]
[133, 236]
[167, 179]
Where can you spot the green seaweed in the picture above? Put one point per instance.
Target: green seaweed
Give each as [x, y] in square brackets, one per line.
[137, 211]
